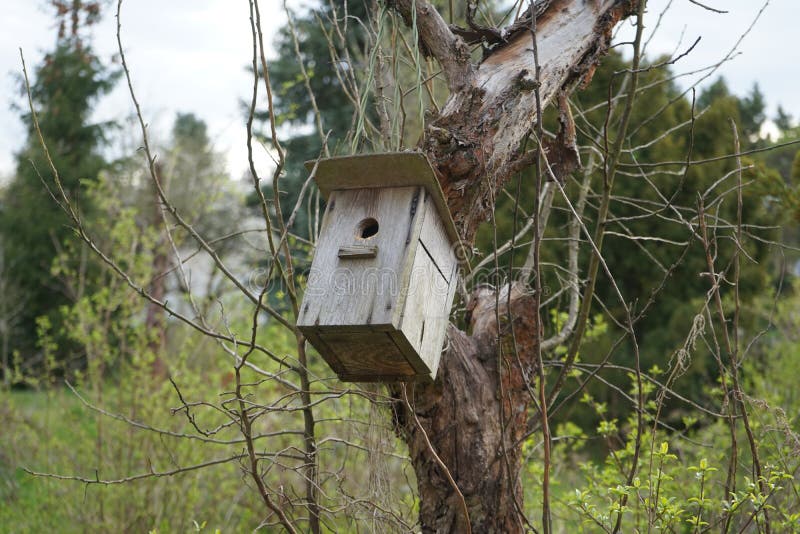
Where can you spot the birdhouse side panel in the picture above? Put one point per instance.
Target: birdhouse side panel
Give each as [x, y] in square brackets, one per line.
[367, 240]
[438, 317]
[424, 278]
[426, 311]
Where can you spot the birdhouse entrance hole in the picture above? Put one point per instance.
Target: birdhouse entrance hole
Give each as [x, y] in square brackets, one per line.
[367, 228]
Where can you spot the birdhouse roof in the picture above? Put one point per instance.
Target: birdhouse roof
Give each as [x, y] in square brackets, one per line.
[392, 169]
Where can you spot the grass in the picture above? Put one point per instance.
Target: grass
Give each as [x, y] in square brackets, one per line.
[53, 432]
[32, 421]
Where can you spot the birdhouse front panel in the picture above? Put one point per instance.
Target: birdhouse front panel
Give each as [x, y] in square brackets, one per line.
[362, 250]
[382, 281]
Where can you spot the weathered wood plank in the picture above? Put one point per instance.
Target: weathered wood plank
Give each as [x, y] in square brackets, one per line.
[434, 238]
[440, 318]
[392, 169]
[361, 291]
[368, 355]
[358, 252]
[426, 311]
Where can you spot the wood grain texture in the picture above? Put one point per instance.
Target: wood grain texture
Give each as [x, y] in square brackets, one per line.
[430, 292]
[390, 169]
[474, 144]
[416, 319]
[361, 291]
[358, 252]
[434, 238]
[363, 354]
[377, 308]
[368, 356]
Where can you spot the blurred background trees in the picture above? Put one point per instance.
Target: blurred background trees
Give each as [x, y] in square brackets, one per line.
[65, 88]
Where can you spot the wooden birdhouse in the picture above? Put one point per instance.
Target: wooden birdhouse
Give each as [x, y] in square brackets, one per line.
[382, 281]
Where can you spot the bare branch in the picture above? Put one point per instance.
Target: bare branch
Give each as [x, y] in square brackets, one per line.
[449, 50]
[132, 478]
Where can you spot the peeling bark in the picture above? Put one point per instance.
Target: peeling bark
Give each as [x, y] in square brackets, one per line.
[475, 142]
[475, 413]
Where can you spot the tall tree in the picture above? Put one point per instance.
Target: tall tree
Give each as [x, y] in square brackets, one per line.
[194, 181]
[464, 432]
[309, 82]
[64, 89]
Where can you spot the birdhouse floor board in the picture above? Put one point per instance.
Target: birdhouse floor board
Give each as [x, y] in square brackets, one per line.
[349, 328]
[366, 355]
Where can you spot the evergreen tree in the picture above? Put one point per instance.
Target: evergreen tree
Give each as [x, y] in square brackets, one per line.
[783, 120]
[663, 330]
[752, 112]
[64, 88]
[292, 100]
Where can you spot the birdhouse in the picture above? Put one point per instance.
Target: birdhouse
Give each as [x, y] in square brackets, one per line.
[378, 297]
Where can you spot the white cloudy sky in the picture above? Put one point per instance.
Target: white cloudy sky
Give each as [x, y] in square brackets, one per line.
[190, 56]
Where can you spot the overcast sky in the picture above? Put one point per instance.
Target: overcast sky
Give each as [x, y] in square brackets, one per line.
[190, 56]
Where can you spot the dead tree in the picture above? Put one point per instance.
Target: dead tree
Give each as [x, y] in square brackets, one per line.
[464, 431]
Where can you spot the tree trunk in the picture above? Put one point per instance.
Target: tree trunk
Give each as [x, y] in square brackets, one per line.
[155, 321]
[474, 417]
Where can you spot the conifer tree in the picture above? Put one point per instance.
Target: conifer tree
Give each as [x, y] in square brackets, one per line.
[293, 102]
[64, 88]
